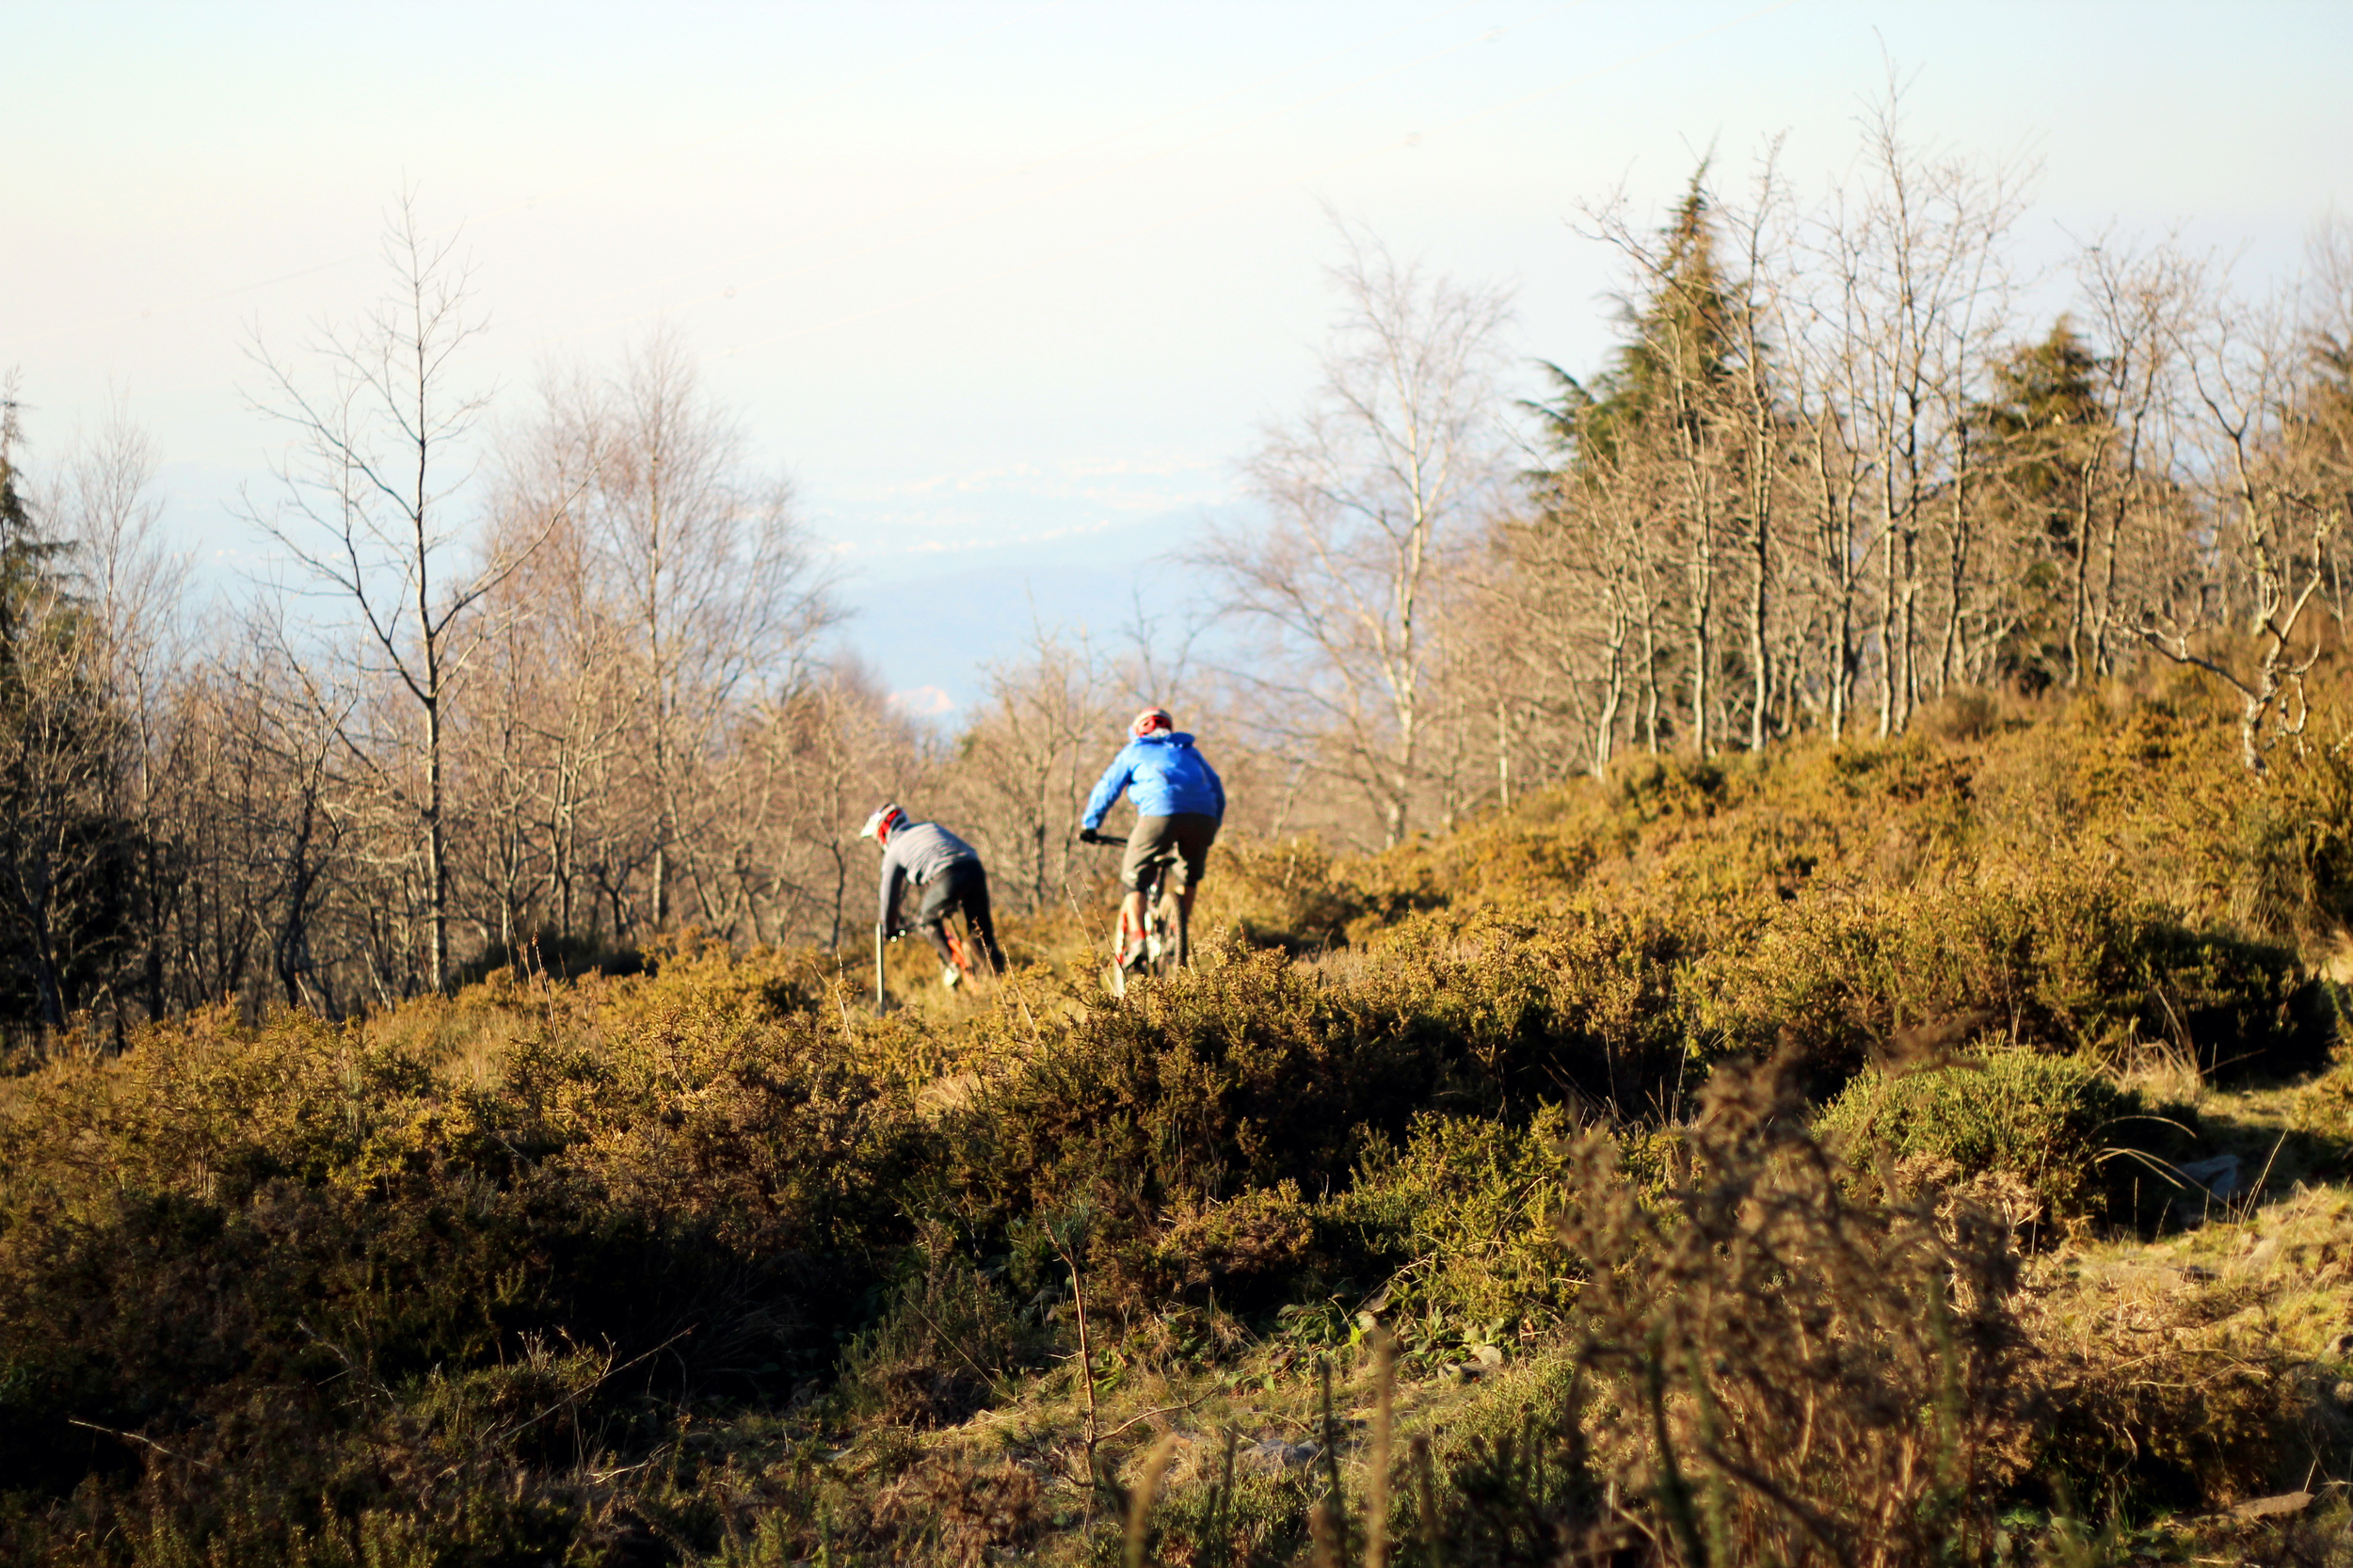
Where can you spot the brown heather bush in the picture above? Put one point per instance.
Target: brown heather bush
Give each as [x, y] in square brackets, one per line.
[2212, 1426]
[944, 1342]
[2062, 1143]
[1763, 1364]
[2063, 967]
[1787, 1370]
[2098, 880]
[1286, 894]
[1180, 1121]
[950, 1514]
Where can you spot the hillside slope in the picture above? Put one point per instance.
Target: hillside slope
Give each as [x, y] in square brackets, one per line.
[1925, 1148]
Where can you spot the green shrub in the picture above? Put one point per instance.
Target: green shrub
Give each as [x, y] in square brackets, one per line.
[2059, 964]
[1460, 1221]
[2056, 1127]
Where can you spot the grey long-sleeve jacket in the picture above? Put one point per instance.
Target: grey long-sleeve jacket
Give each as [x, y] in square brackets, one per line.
[917, 853]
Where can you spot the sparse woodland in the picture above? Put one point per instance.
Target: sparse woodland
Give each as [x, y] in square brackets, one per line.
[1771, 993]
[557, 673]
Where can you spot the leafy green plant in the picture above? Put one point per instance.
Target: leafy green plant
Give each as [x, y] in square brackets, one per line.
[1461, 1220]
[2071, 1144]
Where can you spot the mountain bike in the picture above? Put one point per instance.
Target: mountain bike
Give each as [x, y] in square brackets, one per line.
[1163, 947]
[960, 965]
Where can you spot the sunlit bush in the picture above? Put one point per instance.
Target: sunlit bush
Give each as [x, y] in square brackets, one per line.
[2074, 1146]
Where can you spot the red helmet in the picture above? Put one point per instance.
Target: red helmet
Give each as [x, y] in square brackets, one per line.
[1151, 721]
[887, 819]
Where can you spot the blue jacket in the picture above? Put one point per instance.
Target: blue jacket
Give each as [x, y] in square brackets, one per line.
[1163, 777]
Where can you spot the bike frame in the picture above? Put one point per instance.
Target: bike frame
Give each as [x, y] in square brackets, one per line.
[1159, 954]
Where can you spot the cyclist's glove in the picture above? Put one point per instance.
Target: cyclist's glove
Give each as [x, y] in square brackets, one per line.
[1088, 835]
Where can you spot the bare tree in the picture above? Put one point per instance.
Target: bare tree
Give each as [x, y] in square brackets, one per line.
[106, 503]
[2279, 496]
[817, 761]
[1023, 765]
[1369, 494]
[1694, 405]
[1836, 469]
[2129, 535]
[542, 724]
[1757, 410]
[371, 493]
[288, 804]
[1579, 588]
[713, 590]
[1919, 293]
[63, 848]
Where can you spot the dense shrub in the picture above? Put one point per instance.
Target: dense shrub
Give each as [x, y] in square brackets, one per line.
[1286, 893]
[2071, 1144]
[941, 1346]
[2293, 845]
[1158, 1116]
[1788, 1370]
[1763, 1365]
[201, 1240]
[1461, 1222]
[1250, 1254]
[2216, 1426]
[2059, 965]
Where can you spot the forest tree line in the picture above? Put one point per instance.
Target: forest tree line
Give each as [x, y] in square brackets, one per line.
[553, 683]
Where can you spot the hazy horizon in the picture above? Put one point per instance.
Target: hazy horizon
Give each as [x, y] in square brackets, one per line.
[1007, 289]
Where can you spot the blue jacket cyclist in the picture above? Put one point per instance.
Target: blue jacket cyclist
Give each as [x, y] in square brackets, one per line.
[1180, 802]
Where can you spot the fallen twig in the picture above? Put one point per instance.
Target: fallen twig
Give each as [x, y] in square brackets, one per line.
[135, 1438]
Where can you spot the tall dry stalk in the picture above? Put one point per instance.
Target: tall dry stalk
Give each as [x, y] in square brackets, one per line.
[1377, 1483]
[1140, 1500]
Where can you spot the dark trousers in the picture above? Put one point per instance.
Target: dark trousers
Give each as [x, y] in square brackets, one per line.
[1180, 843]
[963, 886]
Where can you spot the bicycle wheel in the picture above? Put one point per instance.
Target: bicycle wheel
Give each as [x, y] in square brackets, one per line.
[1115, 973]
[1169, 935]
[1164, 925]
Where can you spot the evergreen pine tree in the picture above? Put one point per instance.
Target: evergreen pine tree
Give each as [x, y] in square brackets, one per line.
[2052, 439]
[1663, 422]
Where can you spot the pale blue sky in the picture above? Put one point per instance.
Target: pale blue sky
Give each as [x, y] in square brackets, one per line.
[1009, 287]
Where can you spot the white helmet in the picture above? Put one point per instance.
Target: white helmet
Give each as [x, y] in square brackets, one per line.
[886, 821]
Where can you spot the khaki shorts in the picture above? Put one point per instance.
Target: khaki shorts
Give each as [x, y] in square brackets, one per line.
[1181, 841]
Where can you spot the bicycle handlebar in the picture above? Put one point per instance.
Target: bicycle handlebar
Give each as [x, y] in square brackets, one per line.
[1104, 839]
